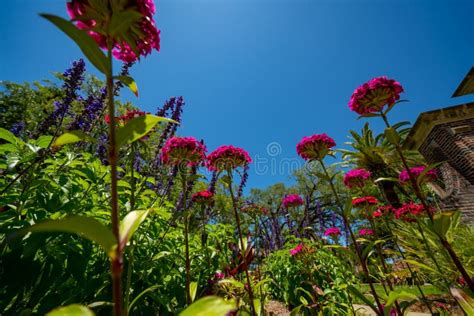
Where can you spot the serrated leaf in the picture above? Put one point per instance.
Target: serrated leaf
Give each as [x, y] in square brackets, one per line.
[72, 137]
[87, 45]
[71, 310]
[86, 227]
[209, 306]
[138, 127]
[129, 82]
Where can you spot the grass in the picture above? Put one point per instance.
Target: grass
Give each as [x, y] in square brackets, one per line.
[427, 290]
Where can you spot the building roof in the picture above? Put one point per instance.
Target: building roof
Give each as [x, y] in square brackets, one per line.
[466, 86]
[428, 120]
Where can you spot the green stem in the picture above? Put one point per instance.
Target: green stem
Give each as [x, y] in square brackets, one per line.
[186, 240]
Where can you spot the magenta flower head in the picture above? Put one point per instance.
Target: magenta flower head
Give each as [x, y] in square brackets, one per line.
[431, 175]
[203, 197]
[366, 232]
[296, 250]
[143, 32]
[409, 211]
[364, 201]
[356, 178]
[179, 150]
[227, 158]
[315, 147]
[373, 95]
[292, 200]
[333, 232]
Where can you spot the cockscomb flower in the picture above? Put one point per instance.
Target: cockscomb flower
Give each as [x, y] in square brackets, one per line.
[366, 232]
[188, 150]
[356, 178]
[143, 32]
[203, 197]
[296, 250]
[373, 95]
[315, 147]
[404, 176]
[364, 201]
[292, 200]
[333, 232]
[227, 157]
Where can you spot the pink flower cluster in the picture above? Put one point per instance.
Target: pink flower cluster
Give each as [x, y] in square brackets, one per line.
[373, 95]
[366, 232]
[124, 118]
[145, 40]
[404, 176]
[409, 211]
[292, 200]
[203, 197]
[364, 201]
[227, 157]
[356, 178]
[333, 232]
[296, 250]
[315, 146]
[178, 150]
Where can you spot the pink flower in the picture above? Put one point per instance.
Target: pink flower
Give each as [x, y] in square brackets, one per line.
[377, 214]
[404, 176]
[384, 210]
[219, 275]
[409, 211]
[333, 232]
[187, 150]
[373, 95]
[203, 197]
[296, 250]
[315, 147]
[227, 157]
[144, 33]
[364, 201]
[356, 178]
[366, 232]
[292, 200]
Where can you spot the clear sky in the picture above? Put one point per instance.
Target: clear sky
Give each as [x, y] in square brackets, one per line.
[255, 72]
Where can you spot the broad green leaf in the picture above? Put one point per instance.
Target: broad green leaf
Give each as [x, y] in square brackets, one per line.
[71, 310]
[138, 127]
[464, 300]
[71, 137]
[44, 141]
[394, 296]
[130, 83]
[135, 300]
[8, 136]
[442, 223]
[193, 286]
[130, 224]
[88, 46]
[362, 297]
[209, 306]
[86, 227]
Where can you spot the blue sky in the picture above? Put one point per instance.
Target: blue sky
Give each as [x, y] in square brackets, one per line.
[263, 71]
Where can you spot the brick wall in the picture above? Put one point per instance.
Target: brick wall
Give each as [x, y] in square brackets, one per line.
[454, 143]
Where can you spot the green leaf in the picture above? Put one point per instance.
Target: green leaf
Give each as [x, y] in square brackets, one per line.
[135, 300]
[233, 282]
[86, 227]
[88, 46]
[161, 254]
[464, 300]
[130, 224]
[421, 265]
[72, 137]
[362, 297]
[209, 306]
[258, 306]
[44, 141]
[386, 179]
[129, 82]
[392, 135]
[71, 310]
[394, 296]
[193, 286]
[122, 21]
[138, 127]
[442, 223]
[8, 136]
[296, 311]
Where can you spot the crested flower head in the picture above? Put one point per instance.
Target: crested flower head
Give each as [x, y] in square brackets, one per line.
[356, 178]
[143, 32]
[227, 157]
[373, 95]
[296, 250]
[315, 147]
[366, 232]
[364, 201]
[404, 176]
[178, 150]
[203, 197]
[292, 200]
[333, 232]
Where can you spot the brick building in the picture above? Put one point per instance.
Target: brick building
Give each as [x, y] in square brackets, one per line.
[447, 135]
